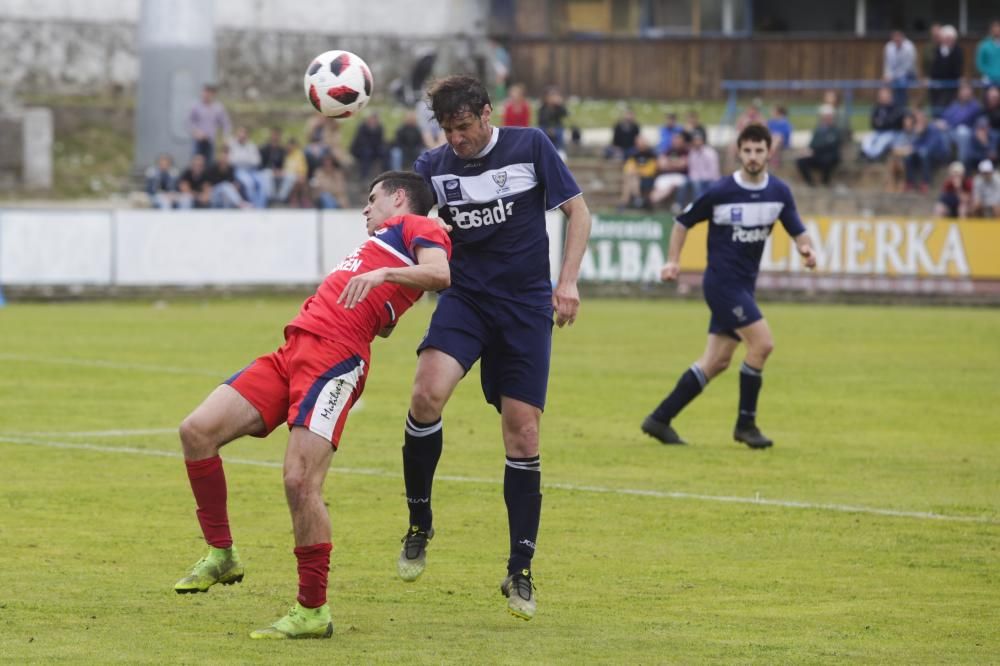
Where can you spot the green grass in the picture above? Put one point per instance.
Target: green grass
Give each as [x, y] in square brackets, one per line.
[886, 408]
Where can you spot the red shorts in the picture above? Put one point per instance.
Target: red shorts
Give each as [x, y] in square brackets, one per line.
[309, 381]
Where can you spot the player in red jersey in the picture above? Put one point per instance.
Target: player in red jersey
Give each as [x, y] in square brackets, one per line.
[310, 383]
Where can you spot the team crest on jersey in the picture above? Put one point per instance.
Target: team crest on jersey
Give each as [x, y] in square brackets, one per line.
[500, 178]
[735, 214]
[453, 190]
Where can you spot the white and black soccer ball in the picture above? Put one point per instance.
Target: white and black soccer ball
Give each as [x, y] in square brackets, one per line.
[338, 84]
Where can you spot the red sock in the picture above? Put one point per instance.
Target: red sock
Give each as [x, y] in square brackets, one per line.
[208, 481]
[314, 567]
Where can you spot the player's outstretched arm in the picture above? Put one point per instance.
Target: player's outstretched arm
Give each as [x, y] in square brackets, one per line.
[804, 245]
[430, 273]
[566, 297]
[672, 268]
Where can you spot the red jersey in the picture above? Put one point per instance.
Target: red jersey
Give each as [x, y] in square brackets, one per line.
[394, 245]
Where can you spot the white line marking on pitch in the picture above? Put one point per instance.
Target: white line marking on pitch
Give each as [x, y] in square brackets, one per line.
[663, 494]
[113, 365]
[97, 433]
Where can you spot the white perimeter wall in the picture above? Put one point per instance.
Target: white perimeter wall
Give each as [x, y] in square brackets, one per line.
[191, 248]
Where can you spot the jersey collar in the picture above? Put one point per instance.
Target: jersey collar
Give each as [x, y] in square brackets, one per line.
[489, 146]
[747, 186]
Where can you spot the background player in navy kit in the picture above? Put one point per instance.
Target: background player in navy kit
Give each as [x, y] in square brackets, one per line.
[741, 211]
[493, 186]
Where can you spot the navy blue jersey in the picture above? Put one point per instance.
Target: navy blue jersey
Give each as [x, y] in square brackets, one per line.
[496, 204]
[740, 217]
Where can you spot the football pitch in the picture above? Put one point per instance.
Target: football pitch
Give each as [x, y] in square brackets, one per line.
[869, 533]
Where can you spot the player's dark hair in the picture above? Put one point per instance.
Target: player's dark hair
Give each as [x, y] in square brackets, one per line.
[419, 196]
[457, 94]
[754, 132]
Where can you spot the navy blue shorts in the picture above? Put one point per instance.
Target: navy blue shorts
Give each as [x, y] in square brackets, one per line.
[513, 342]
[732, 306]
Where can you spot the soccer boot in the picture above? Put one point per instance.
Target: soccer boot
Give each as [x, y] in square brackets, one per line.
[661, 431]
[301, 622]
[520, 593]
[752, 437]
[413, 557]
[221, 565]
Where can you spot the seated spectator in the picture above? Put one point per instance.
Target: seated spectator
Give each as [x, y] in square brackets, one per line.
[551, 114]
[368, 146]
[226, 191]
[667, 131]
[316, 149]
[824, 148]
[161, 183]
[672, 174]
[275, 182]
[958, 119]
[245, 158]
[194, 189]
[991, 111]
[930, 151]
[841, 119]
[899, 151]
[981, 146]
[297, 167]
[887, 121]
[639, 173]
[781, 133]
[693, 124]
[956, 193]
[752, 116]
[408, 144]
[329, 186]
[988, 55]
[623, 136]
[516, 110]
[703, 165]
[329, 129]
[986, 191]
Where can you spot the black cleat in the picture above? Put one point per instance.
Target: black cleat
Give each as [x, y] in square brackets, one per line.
[752, 437]
[520, 592]
[661, 431]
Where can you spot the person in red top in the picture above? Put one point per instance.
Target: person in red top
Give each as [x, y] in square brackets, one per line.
[516, 110]
[310, 383]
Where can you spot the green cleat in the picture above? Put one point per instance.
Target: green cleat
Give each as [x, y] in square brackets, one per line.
[413, 556]
[301, 622]
[221, 565]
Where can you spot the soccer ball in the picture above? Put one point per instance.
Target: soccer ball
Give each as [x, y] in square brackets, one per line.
[338, 84]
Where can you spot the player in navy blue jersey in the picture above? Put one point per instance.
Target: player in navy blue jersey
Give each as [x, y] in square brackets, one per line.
[493, 187]
[741, 210]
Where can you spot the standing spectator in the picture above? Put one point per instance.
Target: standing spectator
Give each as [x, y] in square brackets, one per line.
[516, 110]
[946, 70]
[959, 118]
[500, 63]
[368, 146]
[194, 190]
[408, 144]
[981, 145]
[225, 188]
[929, 50]
[673, 173]
[276, 183]
[329, 187]
[429, 127]
[986, 192]
[207, 118]
[899, 68]
[639, 172]
[703, 165]
[781, 133]
[551, 114]
[956, 193]
[245, 158]
[161, 183]
[887, 121]
[988, 55]
[899, 151]
[824, 148]
[930, 150]
[623, 136]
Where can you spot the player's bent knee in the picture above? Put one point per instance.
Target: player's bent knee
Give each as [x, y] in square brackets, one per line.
[196, 439]
[425, 405]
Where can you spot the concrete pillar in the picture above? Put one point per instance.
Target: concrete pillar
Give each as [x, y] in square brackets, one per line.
[37, 148]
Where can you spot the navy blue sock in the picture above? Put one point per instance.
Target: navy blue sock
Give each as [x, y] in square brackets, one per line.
[688, 387]
[421, 452]
[522, 492]
[751, 380]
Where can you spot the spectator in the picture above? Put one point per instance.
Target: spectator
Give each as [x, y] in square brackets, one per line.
[672, 174]
[329, 129]
[899, 68]
[639, 173]
[752, 116]
[194, 190]
[988, 55]
[161, 183]
[899, 151]
[930, 150]
[929, 50]
[840, 116]
[668, 129]
[946, 70]
[329, 186]
[276, 183]
[703, 165]
[887, 121]
[981, 146]
[297, 166]
[315, 150]
[956, 193]
[245, 158]
[623, 136]
[958, 119]
[824, 148]
[500, 63]
[991, 111]
[986, 192]
[207, 118]
[225, 188]
[368, 146]
[693, 125]
[551, 114]
[781, 133]
[429, 128]
[408, 144]
[516, 110]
